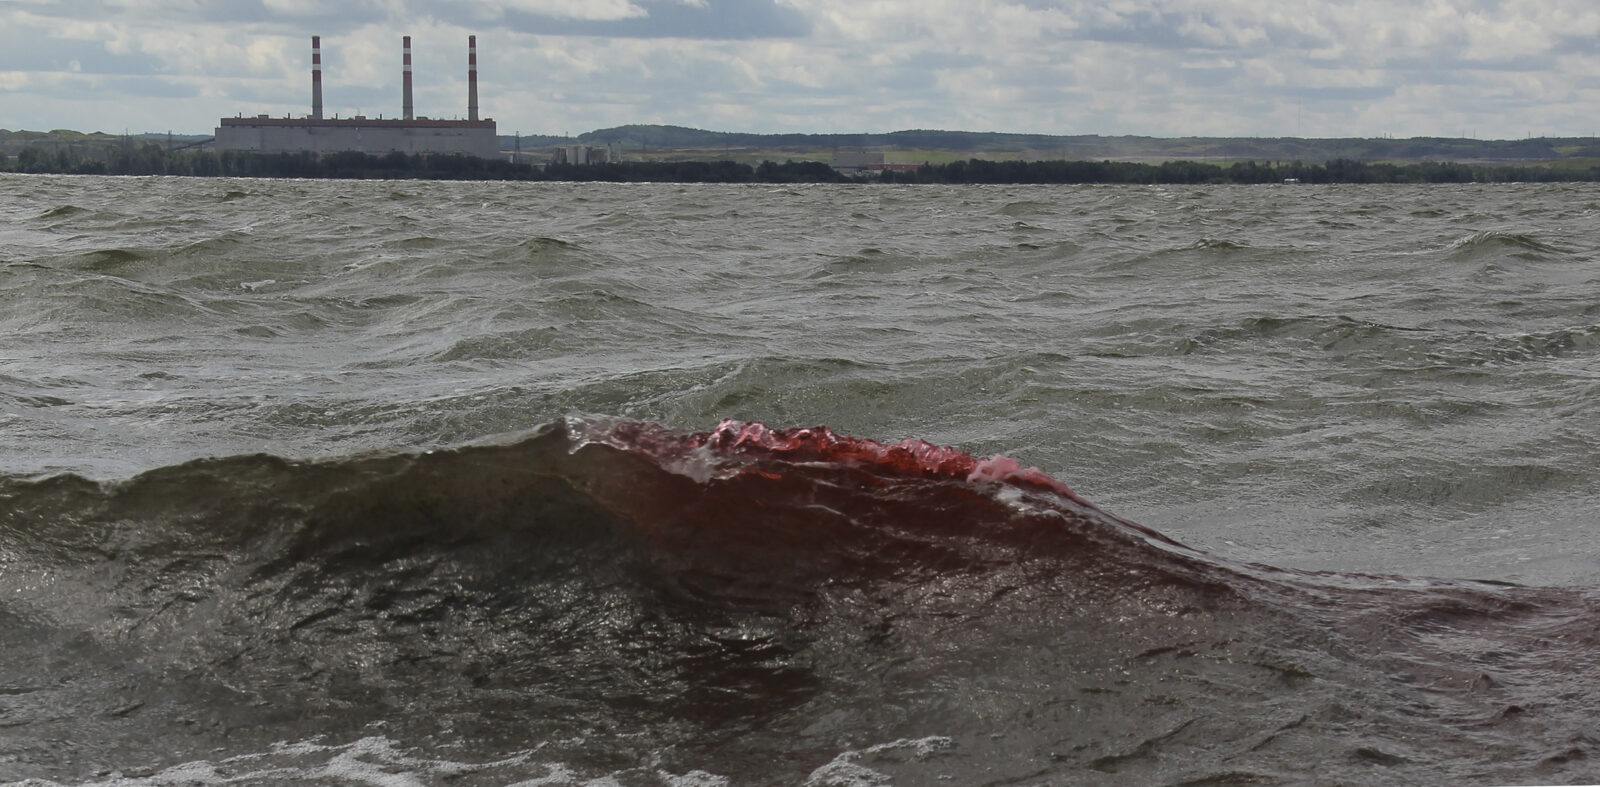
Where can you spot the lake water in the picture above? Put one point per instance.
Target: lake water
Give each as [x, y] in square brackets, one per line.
[407, 482]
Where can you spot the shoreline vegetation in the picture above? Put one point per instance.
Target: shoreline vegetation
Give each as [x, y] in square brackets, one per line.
[678, 155]
[151, 159]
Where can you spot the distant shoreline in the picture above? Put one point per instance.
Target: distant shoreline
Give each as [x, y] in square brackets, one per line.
[149, 158]
[660, 143]
[654, 153]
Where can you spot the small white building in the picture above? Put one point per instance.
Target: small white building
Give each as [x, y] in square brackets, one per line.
[584, 154]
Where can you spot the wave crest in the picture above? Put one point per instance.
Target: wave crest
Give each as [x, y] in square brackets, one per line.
[691, 453]
[1517, 244]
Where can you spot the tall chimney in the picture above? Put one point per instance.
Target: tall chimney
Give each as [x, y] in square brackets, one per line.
[472, 77]
[406, 77]
[316, 77]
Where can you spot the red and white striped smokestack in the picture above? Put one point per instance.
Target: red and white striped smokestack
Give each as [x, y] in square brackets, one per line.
[406, 77]
[316, 77]
[472, 77]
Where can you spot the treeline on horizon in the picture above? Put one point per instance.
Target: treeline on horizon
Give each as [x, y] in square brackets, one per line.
[151, 159]
[1095, 146]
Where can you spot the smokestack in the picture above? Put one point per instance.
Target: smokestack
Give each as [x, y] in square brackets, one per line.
[406, 77]
[316, 77]
[472, 77]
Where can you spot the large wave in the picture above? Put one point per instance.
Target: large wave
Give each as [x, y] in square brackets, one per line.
[751, 602]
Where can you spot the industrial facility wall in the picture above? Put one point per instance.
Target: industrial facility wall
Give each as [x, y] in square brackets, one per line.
[481, 142]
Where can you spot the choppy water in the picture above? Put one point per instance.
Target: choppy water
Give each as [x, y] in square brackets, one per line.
[359, 482]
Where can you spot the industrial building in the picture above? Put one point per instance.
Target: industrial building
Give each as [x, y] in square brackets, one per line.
[317, 134]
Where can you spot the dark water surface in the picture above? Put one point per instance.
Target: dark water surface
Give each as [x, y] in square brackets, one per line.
[410, 482]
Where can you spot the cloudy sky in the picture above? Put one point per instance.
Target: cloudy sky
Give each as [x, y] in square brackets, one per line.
[1487, 68]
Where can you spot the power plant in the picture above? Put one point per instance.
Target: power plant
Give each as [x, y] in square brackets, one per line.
[317, 134]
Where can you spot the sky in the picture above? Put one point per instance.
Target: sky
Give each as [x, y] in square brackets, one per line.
[1491, 69]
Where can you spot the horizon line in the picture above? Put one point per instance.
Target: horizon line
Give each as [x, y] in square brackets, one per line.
[1382, 137]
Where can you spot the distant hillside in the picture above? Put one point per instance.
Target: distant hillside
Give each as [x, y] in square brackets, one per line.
[13, 142]
[681, 137]
[1094, 147]
[533, 141]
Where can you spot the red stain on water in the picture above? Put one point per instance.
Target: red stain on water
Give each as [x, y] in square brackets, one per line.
[908, 457]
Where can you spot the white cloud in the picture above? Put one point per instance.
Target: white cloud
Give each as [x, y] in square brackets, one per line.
[1169, 67]
[589, 10]
[296, 8]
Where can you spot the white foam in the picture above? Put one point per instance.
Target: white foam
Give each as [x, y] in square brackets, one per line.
[846, 770]
[376, 761]
[693, 779]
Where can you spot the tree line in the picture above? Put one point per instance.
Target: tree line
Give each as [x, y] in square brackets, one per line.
[153, 159]
[1242, 172]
